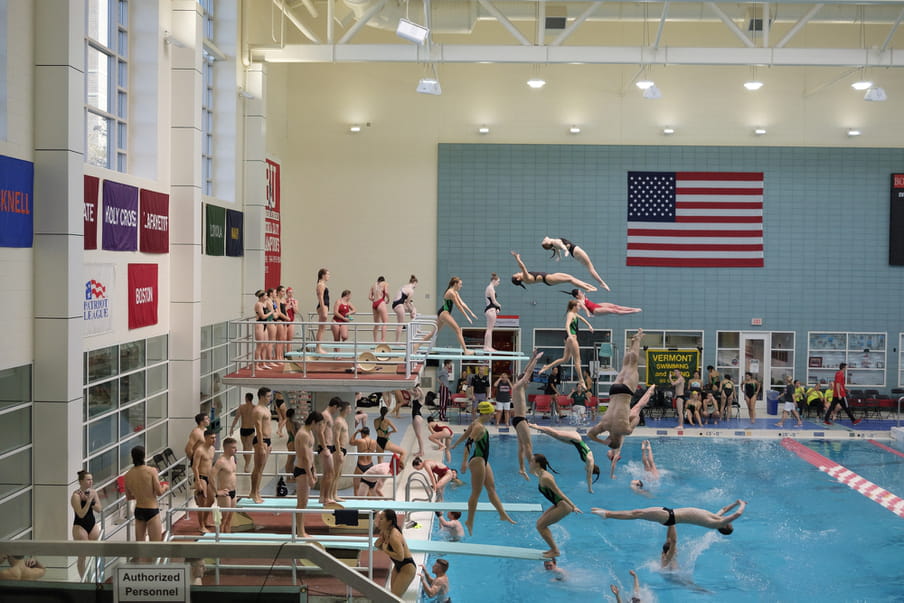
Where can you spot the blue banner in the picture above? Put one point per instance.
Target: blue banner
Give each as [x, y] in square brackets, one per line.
[235, 238]
[120, 217]
[17, 223]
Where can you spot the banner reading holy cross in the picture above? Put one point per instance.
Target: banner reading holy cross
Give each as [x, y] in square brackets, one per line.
[92, 186]
[272, 253]
[120, 217]
[143, 295]
[154, 222]
[16, 202]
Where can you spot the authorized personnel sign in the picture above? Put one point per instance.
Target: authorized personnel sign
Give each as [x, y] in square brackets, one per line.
[151, 584]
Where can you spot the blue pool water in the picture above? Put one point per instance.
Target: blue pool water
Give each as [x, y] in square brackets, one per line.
[804, 536]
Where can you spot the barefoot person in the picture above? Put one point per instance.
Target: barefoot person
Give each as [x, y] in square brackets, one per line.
[391, 542]
[326, 447]
[561, 505]
[547, 278]
[479, 463]
[322, 293]
[572, 348]
[243, 417]
[491, 311]
[222, 478]
[202, 422]
[441, 435]
[365, 445]
[519, 410]
[569, 436]
[374, 479]
[404, 303]
[143, 485]
[379, 298]
[444, 317]
[439, 475]
[261, 441]
[564, 247]
[751, 393]
[620, 419]
[417, 419]
[303, 470]
[593, 309]
[85, 502]
[202, 464]
[384, 428]
[339, 414]
[21, 568]
[690, 515]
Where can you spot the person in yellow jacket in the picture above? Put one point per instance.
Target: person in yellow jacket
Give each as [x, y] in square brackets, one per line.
[828, 395]
[800, 397]
[815, 395]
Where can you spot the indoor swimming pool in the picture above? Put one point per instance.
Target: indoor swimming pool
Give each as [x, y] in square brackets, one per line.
[804, 536]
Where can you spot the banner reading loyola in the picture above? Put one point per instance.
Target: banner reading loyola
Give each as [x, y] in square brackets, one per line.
[661, 363]
[272, 254]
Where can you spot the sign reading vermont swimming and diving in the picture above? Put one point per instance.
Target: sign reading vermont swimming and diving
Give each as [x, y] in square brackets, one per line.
[16, 202]
[97, 311]
[154, 222]
[151, 583]
[92, 186]
[120, 217]
[272, 253]
[661, 363]
[143, 295]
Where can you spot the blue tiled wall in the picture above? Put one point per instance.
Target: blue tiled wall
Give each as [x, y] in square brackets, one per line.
[826, 235]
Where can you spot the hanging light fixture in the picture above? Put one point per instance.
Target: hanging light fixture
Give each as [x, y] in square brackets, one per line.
[753, 83]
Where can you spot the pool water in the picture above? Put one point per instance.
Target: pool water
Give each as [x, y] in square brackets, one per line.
[804, 536]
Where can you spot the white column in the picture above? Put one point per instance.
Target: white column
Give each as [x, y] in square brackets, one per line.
[59, 167]
[255, 183]
[186, 221]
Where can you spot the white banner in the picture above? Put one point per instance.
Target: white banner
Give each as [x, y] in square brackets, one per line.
[96, 296]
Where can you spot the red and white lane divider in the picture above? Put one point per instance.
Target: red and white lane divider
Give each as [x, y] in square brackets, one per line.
[887, 499]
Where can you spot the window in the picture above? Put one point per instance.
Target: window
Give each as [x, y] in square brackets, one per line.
[552, 343]
[663, 340]
[4, 110]
[107, 84]
[15, 452]
[207, 98]
[217, 399]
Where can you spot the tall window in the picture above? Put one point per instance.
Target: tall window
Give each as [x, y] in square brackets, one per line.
[207, 98]
[4, 109]
[107, 84]
[15, 453]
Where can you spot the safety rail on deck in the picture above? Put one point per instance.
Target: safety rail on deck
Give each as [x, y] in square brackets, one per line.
[164, 551]
[307, 352]
[898, 414]
[420, 479]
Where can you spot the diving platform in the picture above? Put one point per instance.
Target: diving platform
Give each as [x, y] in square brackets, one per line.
[406, 506]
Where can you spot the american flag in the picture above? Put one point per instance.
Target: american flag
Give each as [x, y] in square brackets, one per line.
[695, 219]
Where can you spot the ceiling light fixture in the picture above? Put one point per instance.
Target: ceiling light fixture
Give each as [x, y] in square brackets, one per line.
[483, 130]
[760, 131]
[411, 31]
[574, 130]
[862, 85]
[429, 85]
[875, 94]
[536, 82]
[645, 84]
[652, 93]
[668, 131]
[753, 85]
[853, 132]
[355, 129]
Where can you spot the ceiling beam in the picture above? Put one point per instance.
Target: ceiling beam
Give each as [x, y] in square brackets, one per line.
[797, 26]
[503, 20]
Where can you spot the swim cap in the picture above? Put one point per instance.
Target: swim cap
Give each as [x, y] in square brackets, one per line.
[486, 408]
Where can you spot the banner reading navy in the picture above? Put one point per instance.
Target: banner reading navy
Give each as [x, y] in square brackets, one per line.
[151, 584]
[661, 363]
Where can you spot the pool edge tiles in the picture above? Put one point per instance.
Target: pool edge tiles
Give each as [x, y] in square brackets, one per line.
[875, 493]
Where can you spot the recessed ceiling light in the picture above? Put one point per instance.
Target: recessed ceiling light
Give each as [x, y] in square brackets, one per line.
[759, 131]
[355, 129]
[644, 84]
[536, 82]
[668, 131]
[574, 130]
[862, 85]
[853, 132]
[483, 130]
[753, 85]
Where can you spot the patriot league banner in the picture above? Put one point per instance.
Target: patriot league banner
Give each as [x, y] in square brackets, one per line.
[661, 363]
[17, 224]
[120, 217]
[214, 229]
[99, 286]
[143, 295]
[896, 222]
[272, 253]
[235, 237]
[92, 186]
[154, 222]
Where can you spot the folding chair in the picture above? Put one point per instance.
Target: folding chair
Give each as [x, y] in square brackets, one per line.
[542, 404]
[177, 473]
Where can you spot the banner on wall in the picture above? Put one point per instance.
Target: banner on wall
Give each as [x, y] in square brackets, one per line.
[272, 253]
[120, 217]
[92, 186]
[896, 222]
[661, 363]
[154, 222]
[235, 236]
[17, 225]
[214, 229]
[99, 285]
[143, 295]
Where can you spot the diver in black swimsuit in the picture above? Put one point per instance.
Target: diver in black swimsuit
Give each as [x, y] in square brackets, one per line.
[391, 541]
[547, 278]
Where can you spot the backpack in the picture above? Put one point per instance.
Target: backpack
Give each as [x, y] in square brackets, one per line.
[281, 488]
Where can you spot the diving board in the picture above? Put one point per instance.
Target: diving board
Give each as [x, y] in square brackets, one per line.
[441, 547]
[398, 505]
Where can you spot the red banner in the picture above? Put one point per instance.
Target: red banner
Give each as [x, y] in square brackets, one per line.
[92, 186]
[143, 294]
[272, 255]
[154, 222]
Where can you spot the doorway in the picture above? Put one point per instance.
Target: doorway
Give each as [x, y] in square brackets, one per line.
[756, 360]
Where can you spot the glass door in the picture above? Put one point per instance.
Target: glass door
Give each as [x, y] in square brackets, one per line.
[756, 360]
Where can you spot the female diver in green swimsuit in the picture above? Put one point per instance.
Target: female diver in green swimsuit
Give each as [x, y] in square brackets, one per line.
[479, 463]
[561, 505]
[574, 438]
[572, 349]
[444, 314]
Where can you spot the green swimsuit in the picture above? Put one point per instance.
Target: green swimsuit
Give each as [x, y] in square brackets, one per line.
[482, 448]
[550, 495]
[446, 307]
[583, 450]
[573, 327]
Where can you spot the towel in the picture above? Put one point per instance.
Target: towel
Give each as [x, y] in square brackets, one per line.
[346, 517]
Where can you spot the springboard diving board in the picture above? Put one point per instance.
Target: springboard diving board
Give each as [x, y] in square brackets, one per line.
[441, 547]
[406, 506]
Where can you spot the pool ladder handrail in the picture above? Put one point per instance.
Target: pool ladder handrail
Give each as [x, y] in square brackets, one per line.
[419, 477]
[898, 414]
